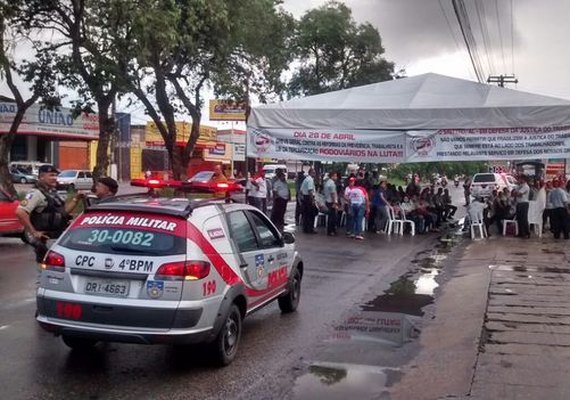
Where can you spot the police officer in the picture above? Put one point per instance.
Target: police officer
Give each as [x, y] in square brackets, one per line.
[44, 213]
[105, 188]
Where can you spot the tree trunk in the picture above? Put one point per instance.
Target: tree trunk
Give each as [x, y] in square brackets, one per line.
[194, 135]
[106, 129]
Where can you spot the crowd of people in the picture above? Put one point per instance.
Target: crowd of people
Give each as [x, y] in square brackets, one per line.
[365, 200]
[551, 198]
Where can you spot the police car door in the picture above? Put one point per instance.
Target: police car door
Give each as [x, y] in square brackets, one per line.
[252, 260]
[272, 258]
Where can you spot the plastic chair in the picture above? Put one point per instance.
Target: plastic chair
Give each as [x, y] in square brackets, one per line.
[321, 217]
[407, 221]
[535, 210]
[477, 226]
[393, 224]
[507, 222]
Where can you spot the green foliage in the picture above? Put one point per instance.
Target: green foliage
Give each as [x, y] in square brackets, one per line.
[336, 53]
[425, 170]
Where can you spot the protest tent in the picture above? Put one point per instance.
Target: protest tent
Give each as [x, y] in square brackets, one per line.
[425, 117]
[428, 101]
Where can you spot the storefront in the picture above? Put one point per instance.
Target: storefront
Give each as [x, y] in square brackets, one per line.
[52, 136]
[154, 157]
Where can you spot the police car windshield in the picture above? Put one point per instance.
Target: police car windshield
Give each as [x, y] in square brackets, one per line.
[122, 240]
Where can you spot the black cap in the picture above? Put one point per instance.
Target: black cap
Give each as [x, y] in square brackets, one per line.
[110, 183]
[47, 169]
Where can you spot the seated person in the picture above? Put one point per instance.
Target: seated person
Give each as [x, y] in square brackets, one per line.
[475, 212]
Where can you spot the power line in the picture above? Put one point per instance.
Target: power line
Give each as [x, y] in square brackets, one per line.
[500, 33]
[457, 44]
[463, 20]
[451, 31]
[484, 33]
[513, 36]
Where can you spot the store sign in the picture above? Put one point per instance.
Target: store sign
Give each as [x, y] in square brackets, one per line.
[153, 137]
[218, 150]
[225, 110]
[239, 152]
[59, 122]
[375, 146]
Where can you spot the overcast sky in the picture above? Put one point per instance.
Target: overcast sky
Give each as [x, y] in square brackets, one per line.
[417, 36]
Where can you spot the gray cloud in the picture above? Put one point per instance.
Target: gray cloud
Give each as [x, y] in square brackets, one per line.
[416, 30]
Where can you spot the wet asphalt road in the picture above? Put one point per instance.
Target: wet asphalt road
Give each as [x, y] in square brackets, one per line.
[340, 273]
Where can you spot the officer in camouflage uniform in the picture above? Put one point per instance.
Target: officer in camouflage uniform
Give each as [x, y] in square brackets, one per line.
[44, 213]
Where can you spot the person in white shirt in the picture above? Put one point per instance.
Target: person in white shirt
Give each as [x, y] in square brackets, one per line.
[258, 192]
[281, 197]
[331, 200]
[308, 200]
[522, 194]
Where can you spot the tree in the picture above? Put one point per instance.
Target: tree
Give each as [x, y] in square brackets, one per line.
[39, 73]
[336, 53]
[184, 45]
[89, 37]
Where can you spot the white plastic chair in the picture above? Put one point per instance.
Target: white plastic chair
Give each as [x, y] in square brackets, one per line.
[535, 210]
[393, 224]
[321, 217]
[507, 222]
[477, 226]
[407, 221]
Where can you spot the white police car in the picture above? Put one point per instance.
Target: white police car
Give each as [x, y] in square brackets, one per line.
[159, 270]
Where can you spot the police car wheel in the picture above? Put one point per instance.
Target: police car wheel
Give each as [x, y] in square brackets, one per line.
[226, 344]
[289, 301]
[76, 343]
[23, 180]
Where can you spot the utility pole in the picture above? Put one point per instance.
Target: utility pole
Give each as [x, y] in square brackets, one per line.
[502, 79]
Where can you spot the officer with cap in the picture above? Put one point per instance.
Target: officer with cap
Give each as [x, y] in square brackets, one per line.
[44, 213]
[105, 188]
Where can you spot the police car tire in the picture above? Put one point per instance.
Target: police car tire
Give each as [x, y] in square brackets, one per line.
[225, 346]
[77, 343]
[288, 302]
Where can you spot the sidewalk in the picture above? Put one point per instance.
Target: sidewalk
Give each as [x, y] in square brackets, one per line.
[501, 328]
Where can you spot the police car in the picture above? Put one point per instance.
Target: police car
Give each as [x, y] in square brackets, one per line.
[166, 270]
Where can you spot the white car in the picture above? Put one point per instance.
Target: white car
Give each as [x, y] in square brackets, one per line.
[483, 184]
[270, 170]
[150, 270]
[74, 179]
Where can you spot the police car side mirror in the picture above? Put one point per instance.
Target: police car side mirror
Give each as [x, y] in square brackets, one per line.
[288, 238]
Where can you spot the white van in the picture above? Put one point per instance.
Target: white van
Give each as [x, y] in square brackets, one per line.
[269, 170]
[483, 184]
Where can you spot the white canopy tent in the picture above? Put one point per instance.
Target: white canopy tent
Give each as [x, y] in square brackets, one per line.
[428, 117]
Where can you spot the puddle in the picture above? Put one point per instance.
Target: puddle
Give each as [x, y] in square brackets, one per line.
[394, 317]
[519, 253]
[403, 296]
[334, 381]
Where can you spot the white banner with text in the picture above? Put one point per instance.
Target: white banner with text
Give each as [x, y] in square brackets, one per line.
[412, 146]
[327, 145]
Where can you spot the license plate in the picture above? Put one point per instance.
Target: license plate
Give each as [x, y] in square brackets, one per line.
[107, 287]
